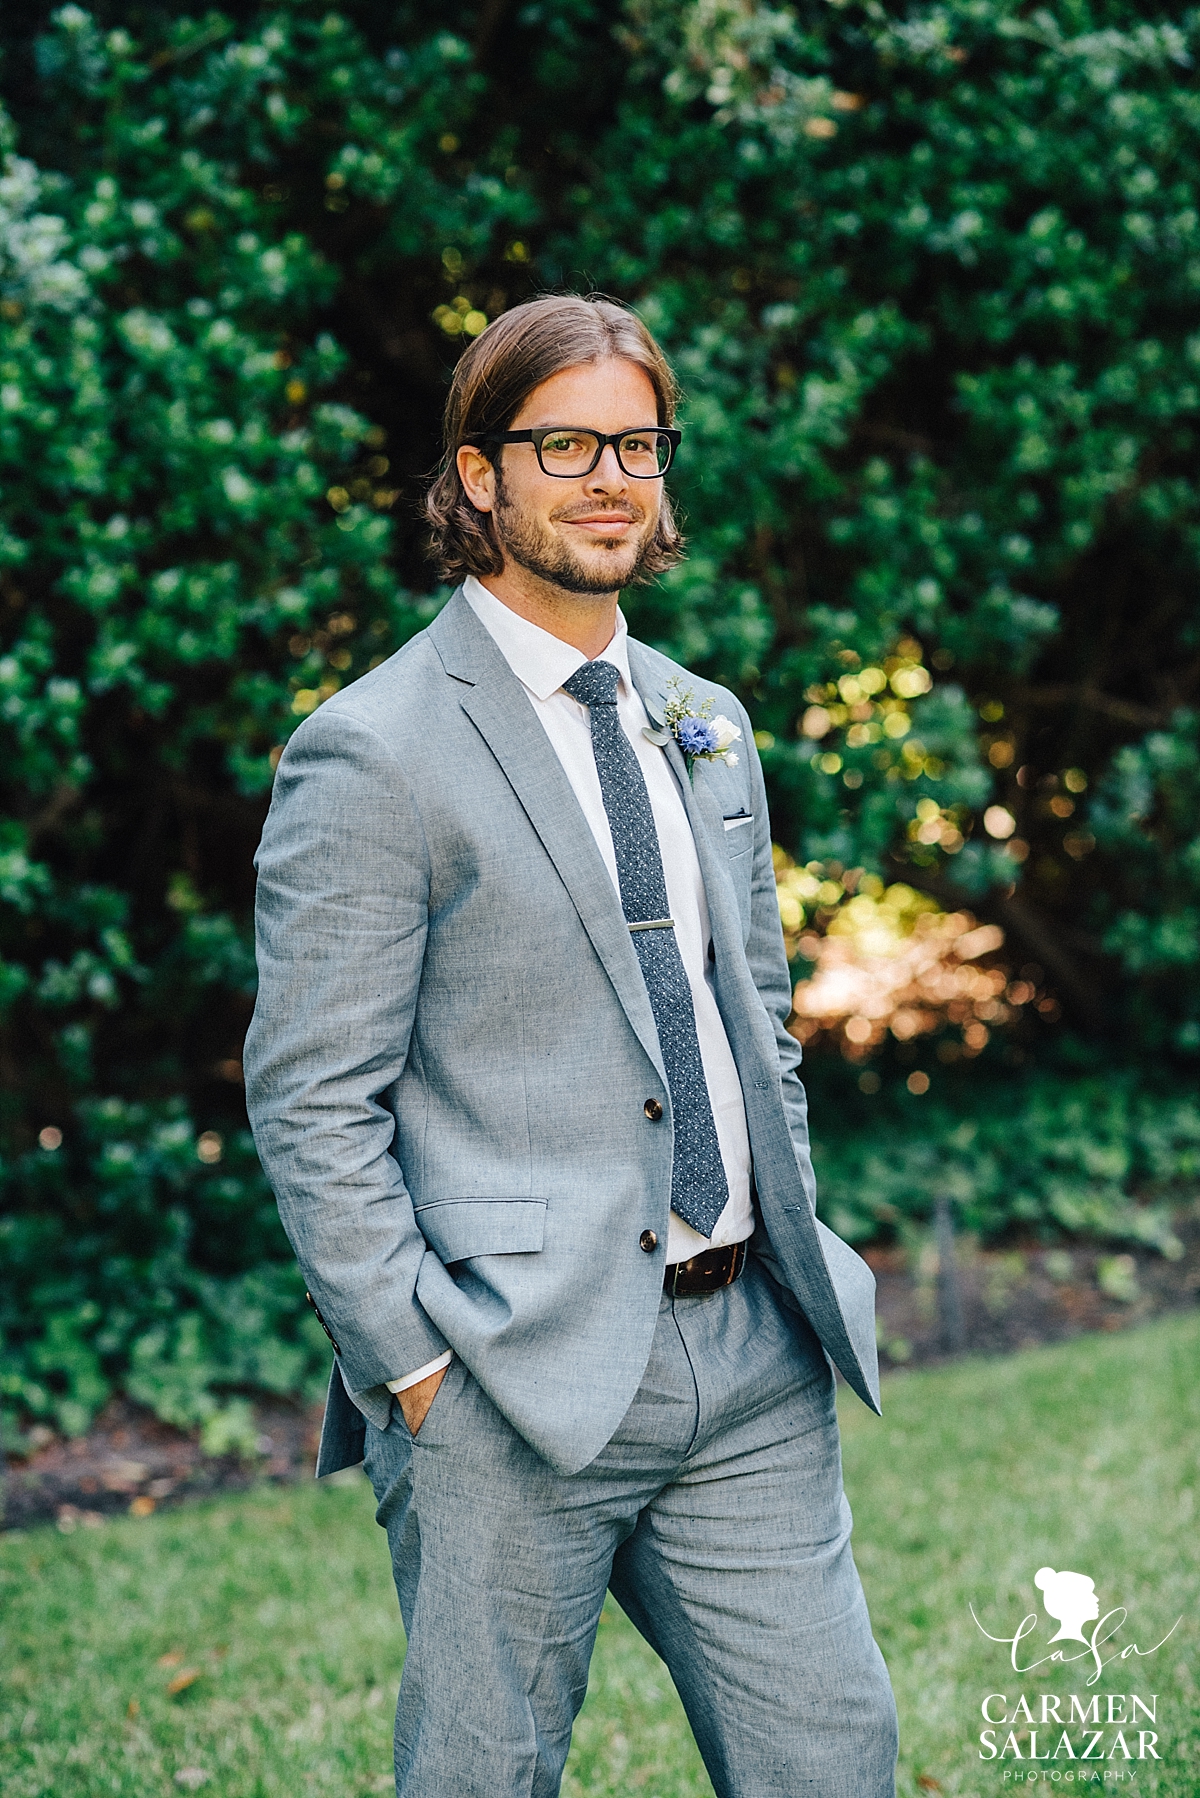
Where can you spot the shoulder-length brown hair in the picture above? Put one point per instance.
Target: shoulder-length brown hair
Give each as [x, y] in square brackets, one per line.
[495, 377]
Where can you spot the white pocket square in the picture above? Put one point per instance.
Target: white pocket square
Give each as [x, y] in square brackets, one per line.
[733, 823]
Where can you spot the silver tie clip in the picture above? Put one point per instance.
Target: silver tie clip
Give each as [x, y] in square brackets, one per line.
[655, 924]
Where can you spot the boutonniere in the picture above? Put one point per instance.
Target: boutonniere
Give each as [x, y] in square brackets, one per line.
[700, 736]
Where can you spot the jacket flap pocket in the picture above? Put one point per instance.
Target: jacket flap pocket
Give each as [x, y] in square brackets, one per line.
[457, 1229]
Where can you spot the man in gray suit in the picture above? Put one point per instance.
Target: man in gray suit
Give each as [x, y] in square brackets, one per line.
[519, 1075]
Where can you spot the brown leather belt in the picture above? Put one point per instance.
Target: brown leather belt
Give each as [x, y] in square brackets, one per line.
[705, 1273]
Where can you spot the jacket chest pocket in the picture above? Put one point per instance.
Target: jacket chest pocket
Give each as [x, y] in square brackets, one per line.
[739, 834]
[739, 842]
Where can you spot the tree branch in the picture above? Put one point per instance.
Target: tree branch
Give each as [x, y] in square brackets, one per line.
[1090, 699]
[1018, 920]
[487, 25]
[63, 800]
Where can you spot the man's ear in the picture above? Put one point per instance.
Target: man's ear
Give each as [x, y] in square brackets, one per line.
[477, 476]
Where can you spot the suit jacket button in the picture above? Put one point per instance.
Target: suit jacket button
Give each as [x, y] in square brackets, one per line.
[653, 1110]
[648, 1241]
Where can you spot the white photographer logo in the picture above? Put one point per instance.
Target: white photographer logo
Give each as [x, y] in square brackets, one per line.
[1070, 1601]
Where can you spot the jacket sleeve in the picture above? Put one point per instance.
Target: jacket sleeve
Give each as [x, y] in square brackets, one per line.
[341, 922]
[769, 967]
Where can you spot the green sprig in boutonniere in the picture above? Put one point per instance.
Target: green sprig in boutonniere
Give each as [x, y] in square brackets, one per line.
[700, 736]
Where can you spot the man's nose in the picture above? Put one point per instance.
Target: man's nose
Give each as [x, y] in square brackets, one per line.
[608, 476]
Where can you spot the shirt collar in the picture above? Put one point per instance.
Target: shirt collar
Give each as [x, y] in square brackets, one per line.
[540, 661]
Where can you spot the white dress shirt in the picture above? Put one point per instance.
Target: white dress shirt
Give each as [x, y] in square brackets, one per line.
[542, 663]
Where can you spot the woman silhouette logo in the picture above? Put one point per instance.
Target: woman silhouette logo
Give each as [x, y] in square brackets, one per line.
[1070, 1598]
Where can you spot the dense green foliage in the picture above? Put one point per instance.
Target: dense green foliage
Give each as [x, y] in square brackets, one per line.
[280, 1603]
[929, 275]
[1048, 1155]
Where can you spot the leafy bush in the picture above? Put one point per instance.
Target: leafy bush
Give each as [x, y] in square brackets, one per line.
[136, 1252]
[1100, 1157]
[928, 273]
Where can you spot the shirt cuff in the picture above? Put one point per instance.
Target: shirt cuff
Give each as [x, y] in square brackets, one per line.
[422, 1373]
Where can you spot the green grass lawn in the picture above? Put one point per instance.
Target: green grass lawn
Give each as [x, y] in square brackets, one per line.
[1084, 1456]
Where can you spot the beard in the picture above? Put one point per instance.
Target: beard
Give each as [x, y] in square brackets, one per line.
[536, 548]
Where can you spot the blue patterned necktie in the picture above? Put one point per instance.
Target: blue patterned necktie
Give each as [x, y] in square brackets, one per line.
[699, 1191]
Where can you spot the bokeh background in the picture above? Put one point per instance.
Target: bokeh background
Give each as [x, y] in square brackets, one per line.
[929, 275]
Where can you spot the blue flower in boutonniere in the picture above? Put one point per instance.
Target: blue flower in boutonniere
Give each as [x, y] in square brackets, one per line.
[701, 737]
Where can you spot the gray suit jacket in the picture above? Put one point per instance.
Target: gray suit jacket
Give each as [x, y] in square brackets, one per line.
[453, 1046]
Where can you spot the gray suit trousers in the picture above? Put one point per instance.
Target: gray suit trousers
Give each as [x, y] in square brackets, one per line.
[716, 1516]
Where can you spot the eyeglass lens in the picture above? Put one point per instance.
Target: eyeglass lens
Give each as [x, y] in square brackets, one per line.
[642, 454]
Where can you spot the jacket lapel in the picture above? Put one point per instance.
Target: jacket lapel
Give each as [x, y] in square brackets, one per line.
[746, 1022]
[704, 814]
[751, 1038]
[497, 705]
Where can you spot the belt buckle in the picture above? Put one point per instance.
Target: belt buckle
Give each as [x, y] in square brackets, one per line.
[676, 1270]
[734, 1255]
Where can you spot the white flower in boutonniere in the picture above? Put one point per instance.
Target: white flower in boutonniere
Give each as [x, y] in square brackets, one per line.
[701, 737]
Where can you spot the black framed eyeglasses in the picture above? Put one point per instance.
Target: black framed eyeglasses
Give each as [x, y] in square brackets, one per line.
[568, 452]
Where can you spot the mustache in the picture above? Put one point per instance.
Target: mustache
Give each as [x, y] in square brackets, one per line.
[629, 514]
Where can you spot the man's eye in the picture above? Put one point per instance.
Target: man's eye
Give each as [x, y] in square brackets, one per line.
[637, 446]
[561, 445]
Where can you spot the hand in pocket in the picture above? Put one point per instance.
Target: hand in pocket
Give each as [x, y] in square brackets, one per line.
[416, 1400]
